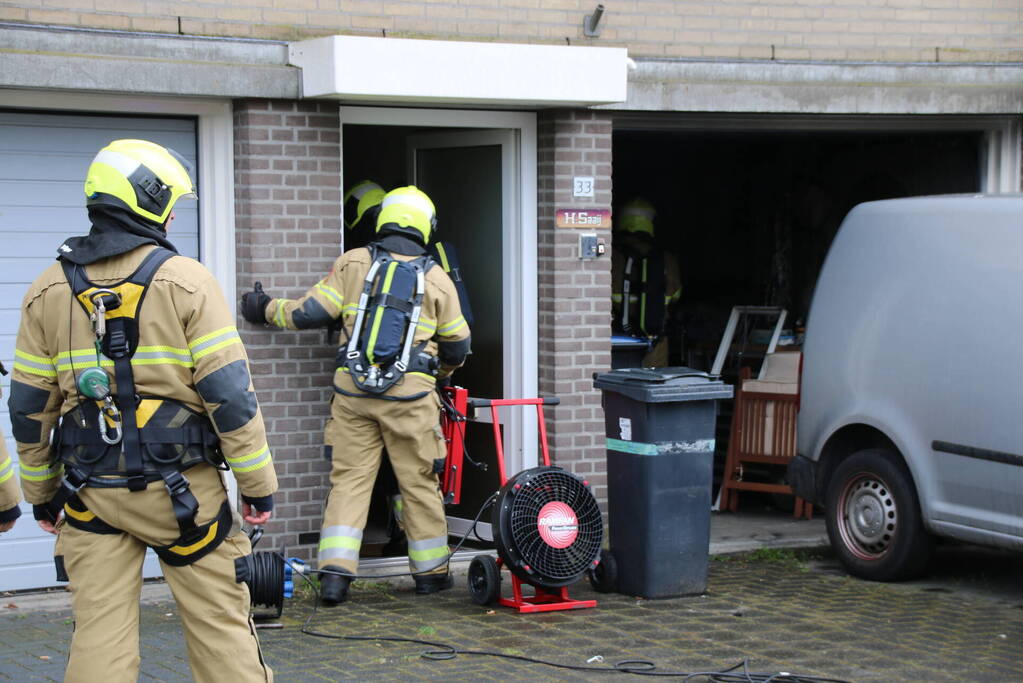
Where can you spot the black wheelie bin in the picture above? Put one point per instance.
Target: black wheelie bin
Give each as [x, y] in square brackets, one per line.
[660, 426]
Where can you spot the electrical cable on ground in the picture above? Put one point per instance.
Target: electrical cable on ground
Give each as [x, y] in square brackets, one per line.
[738, 673]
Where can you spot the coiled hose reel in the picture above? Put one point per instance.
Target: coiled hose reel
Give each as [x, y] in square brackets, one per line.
[269, 577]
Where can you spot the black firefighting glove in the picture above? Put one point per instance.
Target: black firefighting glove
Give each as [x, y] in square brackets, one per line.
[10, 515]
[260, 503]
[254, 305]
[47, 512]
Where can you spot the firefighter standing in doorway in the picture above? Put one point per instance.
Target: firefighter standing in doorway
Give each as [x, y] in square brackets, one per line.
[645, 282]
[10, 496]
[380, 403]
[361, 205]
[128, 354]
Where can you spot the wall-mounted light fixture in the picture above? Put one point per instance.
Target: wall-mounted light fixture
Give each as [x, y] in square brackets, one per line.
[591, 24]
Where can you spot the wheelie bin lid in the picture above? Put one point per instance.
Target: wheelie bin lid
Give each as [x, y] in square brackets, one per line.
[662, 385]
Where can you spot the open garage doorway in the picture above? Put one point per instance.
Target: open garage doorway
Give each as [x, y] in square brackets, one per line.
[750, 215]
[750, 205]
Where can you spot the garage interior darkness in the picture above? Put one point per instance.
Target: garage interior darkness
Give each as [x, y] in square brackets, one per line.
[750, 217]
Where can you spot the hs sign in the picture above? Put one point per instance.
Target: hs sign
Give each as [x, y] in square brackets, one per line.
[584, 218]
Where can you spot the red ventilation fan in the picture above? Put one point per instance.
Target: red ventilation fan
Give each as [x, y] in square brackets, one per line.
[546, 523]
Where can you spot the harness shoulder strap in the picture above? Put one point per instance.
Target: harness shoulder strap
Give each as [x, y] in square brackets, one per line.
[447, 256]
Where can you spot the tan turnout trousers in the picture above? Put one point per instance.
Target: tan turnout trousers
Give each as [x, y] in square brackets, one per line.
[359, 430]
[105, 572]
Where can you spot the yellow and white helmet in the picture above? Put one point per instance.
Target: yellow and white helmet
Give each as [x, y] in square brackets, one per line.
[143, 177]
[410, 209]
[360, 199]
[636, 215]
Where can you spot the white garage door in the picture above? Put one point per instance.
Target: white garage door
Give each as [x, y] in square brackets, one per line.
[43, 161]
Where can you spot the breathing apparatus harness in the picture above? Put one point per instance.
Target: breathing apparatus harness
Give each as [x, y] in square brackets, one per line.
[380, 349]
[643, 277]
[123, 440]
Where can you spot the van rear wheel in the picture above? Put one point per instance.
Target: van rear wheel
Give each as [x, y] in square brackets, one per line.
[873, 517]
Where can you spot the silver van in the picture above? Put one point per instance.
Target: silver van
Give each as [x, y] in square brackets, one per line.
[911, 416]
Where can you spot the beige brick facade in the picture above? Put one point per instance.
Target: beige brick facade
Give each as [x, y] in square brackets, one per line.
[287, 190]
[842, 30]
[574, 306]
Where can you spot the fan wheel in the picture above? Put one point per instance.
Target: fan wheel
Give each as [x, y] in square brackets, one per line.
[604, 577]
[484, 580]
[547, 526]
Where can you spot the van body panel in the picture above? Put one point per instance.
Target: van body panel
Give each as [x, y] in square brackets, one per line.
[914, 329]
[970, 534]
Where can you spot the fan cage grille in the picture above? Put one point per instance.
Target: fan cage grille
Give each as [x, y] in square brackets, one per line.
[547, 562]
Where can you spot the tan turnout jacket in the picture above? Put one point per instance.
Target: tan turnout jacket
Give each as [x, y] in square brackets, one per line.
[189, 351]
[338, 295]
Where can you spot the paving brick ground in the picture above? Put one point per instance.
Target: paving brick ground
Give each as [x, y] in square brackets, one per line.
[964, 622]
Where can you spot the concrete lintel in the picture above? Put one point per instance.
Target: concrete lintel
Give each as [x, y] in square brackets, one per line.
[144, 64]
[823, 88]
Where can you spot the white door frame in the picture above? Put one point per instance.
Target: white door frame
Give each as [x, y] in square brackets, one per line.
[519, 246]
[215, 152]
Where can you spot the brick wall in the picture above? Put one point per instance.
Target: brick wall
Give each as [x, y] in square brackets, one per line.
[287, 198]
[869, 30]
[575, 294]
[287, 194]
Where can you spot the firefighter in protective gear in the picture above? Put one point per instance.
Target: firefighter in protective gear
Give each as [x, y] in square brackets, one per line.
[10, 496]
[404, 419]
[128, 354]
[645, 282]
[361, 204]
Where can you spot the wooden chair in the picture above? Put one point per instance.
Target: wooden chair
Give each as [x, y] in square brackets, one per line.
[763, 432]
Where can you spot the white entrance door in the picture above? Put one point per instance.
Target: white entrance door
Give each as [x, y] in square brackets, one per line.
[470, 176]
[43, 161]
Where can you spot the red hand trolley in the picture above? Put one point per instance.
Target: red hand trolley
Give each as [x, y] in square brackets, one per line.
[547, 524]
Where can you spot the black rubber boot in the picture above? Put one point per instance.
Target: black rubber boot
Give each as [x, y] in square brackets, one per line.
[333, 587]
[431, 583]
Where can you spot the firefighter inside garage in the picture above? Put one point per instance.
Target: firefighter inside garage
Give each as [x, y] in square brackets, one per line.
[750, 217]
